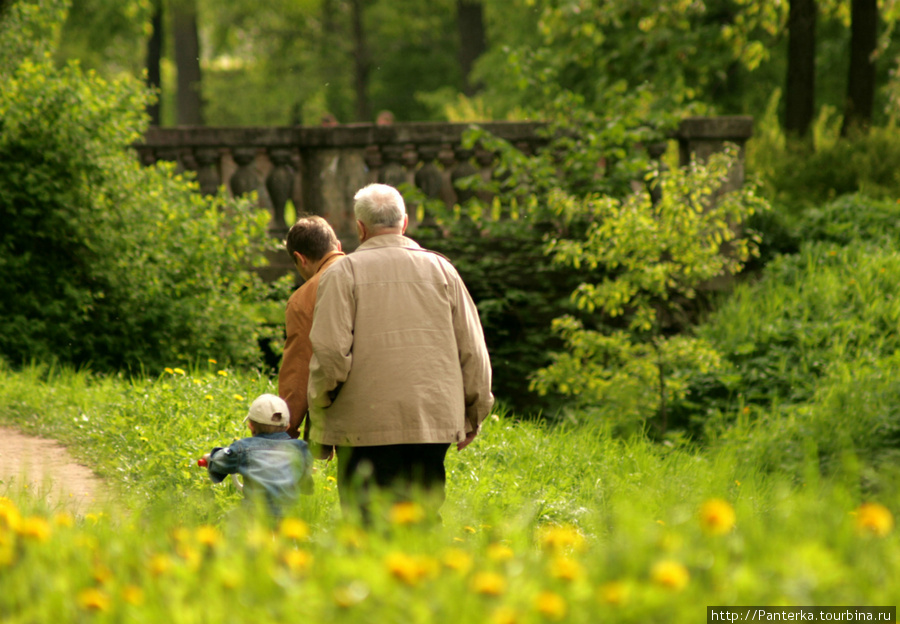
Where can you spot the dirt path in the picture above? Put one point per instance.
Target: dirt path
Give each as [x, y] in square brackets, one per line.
[48, 469]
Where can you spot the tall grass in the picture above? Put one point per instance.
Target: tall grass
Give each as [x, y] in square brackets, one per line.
[542, 523]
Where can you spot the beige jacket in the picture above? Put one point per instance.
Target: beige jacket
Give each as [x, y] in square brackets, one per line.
[293, 376]
[398, 350]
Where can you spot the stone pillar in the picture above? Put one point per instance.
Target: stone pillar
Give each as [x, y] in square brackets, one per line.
[701, 137]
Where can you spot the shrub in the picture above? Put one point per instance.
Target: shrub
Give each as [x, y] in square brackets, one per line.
[657, 255]
[105, 262]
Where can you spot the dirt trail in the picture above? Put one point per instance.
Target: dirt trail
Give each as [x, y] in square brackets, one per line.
[48, 469]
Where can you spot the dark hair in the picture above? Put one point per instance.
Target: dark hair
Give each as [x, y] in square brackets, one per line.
[259, 428]
[311, 236]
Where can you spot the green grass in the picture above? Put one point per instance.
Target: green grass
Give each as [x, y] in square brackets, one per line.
[171, 546]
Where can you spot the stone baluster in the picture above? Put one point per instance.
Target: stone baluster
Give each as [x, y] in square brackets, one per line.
[374, 162]
[280, 184]
[485, 159]
[463, 169]
[447, 160]
[429, 180]
[169, 154]
[244, 179]
[207, 169]
[393, 172]
[147, 156]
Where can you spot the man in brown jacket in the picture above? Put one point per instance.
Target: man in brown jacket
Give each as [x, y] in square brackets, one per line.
[313, 247]
[400, 369]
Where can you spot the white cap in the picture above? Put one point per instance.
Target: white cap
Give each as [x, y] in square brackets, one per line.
[269, 409]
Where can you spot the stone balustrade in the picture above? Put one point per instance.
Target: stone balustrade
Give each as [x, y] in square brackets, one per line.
[319, 169]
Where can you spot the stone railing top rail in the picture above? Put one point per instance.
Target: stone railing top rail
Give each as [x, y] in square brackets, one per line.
[364, 134]
[344, 135]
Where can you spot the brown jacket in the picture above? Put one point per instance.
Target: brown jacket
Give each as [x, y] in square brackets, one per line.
[398, 350]
[293, 376]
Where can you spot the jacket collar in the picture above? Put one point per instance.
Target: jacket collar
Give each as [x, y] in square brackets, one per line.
[389, 240]
[327, 259]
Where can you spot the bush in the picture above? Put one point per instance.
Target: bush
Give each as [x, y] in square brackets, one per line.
[825, 305]
[106, 263]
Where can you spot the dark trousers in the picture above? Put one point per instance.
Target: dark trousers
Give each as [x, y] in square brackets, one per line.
[399, 471]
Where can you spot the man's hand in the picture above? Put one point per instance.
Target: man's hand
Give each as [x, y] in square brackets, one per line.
[469, 437]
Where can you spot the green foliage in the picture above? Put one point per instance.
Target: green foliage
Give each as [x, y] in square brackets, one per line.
[104, 262]
[30, 31]
[800, 175]
[850, 422]
[825, 305]
[656, 255]
[813, 342]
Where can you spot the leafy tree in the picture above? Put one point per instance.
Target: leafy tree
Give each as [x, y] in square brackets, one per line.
[104, 262]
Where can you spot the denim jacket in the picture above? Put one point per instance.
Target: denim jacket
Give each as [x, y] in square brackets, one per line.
[273, 465]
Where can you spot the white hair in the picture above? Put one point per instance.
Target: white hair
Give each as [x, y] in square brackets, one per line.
[379, 206]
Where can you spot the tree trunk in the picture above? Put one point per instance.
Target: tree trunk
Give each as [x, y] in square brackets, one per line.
[154, 57]
[361, 63]
[472, 40]
[861, 77]
[189, 104]
[800, 100]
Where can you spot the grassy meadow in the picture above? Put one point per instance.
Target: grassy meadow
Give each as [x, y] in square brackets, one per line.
[543, 523]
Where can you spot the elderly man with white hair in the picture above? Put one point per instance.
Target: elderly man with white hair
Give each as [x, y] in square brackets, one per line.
[400, 370]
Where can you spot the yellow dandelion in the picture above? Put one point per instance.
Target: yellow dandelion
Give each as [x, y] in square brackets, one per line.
[212, 361]
[670, 574]
[10, 516]
[298, 560]
[93, 599]
[457, 559]
[178, 371]
[330, 478]
[469, 529]
[238, 397]
[208, 535]
[294, 528]
[208, 397]
[561, 538]
[169, 370]
[133, 595]
[566, 569]
[160, 564]
[35, 528]
[717, 517]
[94, 518]
[504, 615]
[874, 519]
[488, 583]
[409, 569]
[613, 593]
[223, 373]
[499, 552]
[406, 513]
[551, 605]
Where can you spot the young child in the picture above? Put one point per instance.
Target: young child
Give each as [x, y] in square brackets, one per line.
[274, 466]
